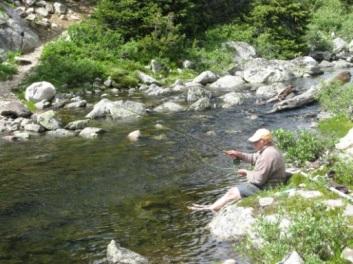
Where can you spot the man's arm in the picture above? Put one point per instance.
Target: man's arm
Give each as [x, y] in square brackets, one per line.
[247, 157]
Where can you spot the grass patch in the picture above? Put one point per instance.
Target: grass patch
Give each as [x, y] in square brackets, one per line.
[335, 127]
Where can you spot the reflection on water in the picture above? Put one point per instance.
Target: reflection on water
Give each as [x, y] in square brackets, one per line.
[63, 200]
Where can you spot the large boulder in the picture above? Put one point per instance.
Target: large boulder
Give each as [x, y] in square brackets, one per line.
[205, 78]
[15, 33]
[197, 92]
[119, 255]
[265, 71]
[117, 109]
[304, 66]
[228, 83]
[13, 109]
[232, 223]
[40, 91]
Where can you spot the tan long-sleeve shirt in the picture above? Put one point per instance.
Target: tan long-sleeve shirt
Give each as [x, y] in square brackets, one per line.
[269, 166]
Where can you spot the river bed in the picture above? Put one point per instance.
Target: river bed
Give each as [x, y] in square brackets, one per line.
[63, 200]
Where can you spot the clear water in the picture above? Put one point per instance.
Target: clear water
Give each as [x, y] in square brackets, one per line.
[63, 200]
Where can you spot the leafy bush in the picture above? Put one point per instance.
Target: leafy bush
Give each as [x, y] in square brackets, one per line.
[337, 99]
[343, 172]
[301, 147]
[6, 71]
[314, 233]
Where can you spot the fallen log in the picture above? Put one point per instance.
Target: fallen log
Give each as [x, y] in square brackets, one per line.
[282, 94]
[305, 98]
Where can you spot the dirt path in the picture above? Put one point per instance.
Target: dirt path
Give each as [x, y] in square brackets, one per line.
[6, 87]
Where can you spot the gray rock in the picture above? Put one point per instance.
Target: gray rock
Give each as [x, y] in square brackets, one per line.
[232, 223]
[231, 99]
[326, 64]
[42, 104]
[187, 64]
[305, 194]
[155, 66]
[60, 133]
[22, 61]
[346, 142]
[33, 128]
[48, 120]
[14, 109]
[144, 78]
[155, 90]
[228, 83]
[304, 66]
[348, 212]
[42, 11]
[201, 104]
[342, 64]
[23, 136]
[78, 104]
[78, 124]
[169, 107]
[29, 2]
[15, 34]
[230, 261]
[108, 82]
[40, 91]
[205, 78]
[339, 45]
[268, 91]
[333, 203]
[117, 109]
[60, 8]
[292, 258]
[347, 254]
[119, 255]
[134, 135]
[197, 92]
[91, 132]
[264, 71]
[266, 201]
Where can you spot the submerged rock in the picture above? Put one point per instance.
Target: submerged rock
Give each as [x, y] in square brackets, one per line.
[119, 255]
[134, 135]
[91, 132]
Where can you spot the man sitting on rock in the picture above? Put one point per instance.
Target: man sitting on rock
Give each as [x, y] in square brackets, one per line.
[269, 169]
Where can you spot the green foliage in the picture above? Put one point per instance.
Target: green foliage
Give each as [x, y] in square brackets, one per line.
[317, 234]
[124, 78]
[300, 147]
[337, 98]
[8, 68]
[335, 127]
[343, 172]
[329, 16]
[279, 27]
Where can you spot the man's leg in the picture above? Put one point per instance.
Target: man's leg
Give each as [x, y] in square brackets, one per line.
[231, 195]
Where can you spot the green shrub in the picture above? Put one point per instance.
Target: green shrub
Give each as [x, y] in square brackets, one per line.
[300, 147]
[124, 78]
[314, 232]
[337, 99]
[343, 172]
[7, 70]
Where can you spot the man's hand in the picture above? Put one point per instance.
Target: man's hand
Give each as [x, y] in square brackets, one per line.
[234, 154]
[242, 172]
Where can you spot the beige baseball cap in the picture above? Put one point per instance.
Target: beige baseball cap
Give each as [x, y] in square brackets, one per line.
[261, 133]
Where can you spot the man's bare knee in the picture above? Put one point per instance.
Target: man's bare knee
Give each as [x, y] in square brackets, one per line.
[233, 193]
